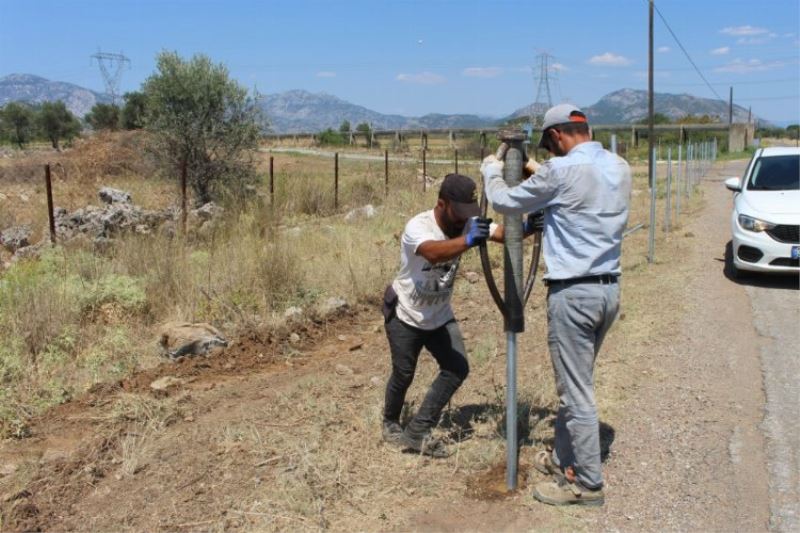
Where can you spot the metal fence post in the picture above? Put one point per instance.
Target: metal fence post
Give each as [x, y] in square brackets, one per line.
[50, 215]
[455, 152]
[614, 142]
[336, 181]
[386, 172]
[678, 191]
[668, 210]
[651, 240]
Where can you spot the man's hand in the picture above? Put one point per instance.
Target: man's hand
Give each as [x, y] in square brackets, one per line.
[491, 168]
[533, 222]
[477, 231]
[530, 168]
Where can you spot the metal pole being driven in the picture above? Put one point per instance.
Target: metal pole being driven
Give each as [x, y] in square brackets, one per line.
[514, 286]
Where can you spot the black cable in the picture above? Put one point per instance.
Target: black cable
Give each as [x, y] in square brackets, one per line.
[664, 20]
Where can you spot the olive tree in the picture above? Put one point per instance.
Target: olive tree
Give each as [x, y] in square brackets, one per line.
[103, 117]
[202, 118]
[132, 112]
[56, 122]
[17, 122]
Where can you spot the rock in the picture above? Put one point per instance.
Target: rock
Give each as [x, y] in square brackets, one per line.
[344, 370]
[15, 237]
[472, 277]
[190, 340]
[110, 196]
[365, 212]
[294, 338]
[293, 313]
[165, 382]
[30, 252]
[24, 198]
[208, 211]
[375, 381]
[333, 305]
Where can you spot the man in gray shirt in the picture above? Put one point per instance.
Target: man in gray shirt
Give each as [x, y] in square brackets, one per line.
[584, 191]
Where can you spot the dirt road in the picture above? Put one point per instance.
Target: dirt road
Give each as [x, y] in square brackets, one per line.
[280, 436]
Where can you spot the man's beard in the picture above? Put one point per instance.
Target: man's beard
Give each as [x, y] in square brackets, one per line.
[451, 229]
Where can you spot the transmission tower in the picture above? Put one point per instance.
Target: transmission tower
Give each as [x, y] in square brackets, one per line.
[543, 74]
[111, 67]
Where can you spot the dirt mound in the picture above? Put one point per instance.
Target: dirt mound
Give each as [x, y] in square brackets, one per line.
[491, 483]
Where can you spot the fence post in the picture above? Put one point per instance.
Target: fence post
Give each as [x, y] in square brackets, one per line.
[271, 180]
[336, 181]
[651, 240]
[424, 172]
[183, 195]
[50, 215]
[614, 142]
[456, 158]
[668, 214]
[679, 191]
[386, 172]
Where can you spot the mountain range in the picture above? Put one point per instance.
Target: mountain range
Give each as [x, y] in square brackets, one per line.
[301, 111]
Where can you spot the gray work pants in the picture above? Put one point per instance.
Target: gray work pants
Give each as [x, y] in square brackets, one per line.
[578, 317]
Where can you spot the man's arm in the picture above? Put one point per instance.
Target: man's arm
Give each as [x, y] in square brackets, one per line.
[532, 194]
[440, 251]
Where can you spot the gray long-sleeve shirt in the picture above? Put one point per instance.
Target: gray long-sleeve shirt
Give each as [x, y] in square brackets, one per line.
[585, 197]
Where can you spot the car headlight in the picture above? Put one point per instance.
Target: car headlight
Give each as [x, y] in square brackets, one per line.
[754, 224]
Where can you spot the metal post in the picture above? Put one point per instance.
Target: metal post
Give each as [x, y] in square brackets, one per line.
[183, 195]
[514, 287]
[386, 172]
[336, 181]
[730, 108]
[50, 215]
[679, 191]
[651, 242]
[271, 180]
[455, 152]
[614, 142]
[424, 172]
[668, 214]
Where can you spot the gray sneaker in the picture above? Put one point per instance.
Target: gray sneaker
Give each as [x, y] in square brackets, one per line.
[427, 445]
[392, 433]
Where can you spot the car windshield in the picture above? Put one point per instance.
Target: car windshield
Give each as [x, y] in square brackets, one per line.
[776, 173]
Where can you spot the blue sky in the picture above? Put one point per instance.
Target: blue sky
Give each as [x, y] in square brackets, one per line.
[417, 57]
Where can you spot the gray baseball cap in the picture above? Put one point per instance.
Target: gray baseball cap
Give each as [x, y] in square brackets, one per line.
[561, 114]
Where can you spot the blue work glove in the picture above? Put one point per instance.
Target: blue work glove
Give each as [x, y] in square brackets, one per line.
[477, 231]
[533, 222]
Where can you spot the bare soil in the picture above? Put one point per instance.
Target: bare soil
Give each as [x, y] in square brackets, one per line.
[274, 435]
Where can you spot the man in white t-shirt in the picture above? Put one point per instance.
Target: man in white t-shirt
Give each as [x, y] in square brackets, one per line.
[418, 313]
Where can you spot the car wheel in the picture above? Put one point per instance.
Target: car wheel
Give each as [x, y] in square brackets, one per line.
[730, 267]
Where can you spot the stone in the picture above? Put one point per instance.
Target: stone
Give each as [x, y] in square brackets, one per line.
[472, 277]
[359, 213]
[110, 196]
[344, 370]
[333, 305]
[16, 237]
[293, 313]
[191, 340]
[208, 211]
[30, 252]
[165, 382]
[375, 381]
[294, 338]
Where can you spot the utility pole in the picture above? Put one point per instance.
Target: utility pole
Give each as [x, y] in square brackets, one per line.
[650, 103]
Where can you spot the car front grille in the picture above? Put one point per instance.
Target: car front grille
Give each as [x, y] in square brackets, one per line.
[785, 262]
[785, 233]
[749, 254]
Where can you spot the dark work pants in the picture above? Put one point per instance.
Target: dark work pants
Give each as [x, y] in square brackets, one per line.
[446, 345]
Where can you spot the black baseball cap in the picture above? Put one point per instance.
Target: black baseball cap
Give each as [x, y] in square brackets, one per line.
[462, 193]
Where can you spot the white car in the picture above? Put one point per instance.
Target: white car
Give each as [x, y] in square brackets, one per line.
[766, 213]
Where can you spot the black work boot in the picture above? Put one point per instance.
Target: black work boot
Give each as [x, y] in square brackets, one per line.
[392, 432]
[425, 444]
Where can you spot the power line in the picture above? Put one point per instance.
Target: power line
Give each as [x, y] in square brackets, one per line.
[680, 44]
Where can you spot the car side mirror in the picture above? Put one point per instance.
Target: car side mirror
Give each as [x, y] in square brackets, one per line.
[733, 184]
